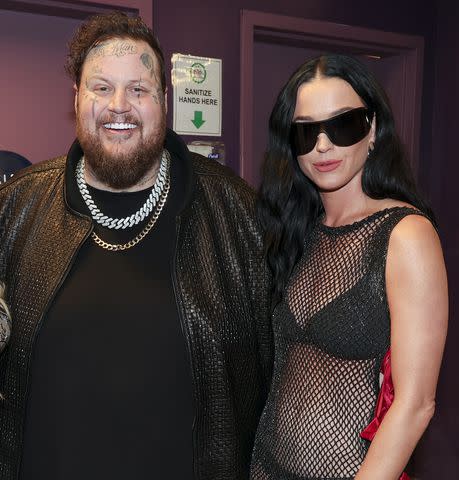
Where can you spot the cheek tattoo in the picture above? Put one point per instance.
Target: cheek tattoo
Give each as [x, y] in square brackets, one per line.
[88, 95]
[158, 97]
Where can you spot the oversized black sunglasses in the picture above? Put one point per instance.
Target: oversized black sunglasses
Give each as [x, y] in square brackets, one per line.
[343, 130]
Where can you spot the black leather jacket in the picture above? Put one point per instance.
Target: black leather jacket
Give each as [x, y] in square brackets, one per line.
[221, 288]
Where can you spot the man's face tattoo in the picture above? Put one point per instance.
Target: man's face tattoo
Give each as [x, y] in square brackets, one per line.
[121, 118]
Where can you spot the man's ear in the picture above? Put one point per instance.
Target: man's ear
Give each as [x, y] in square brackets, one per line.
[75, 101]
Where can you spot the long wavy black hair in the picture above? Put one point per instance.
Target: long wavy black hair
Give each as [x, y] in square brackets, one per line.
[289, 203]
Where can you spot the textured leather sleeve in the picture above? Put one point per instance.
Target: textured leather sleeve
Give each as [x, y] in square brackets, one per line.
[238, 200]
[38, 237]
[223, 291]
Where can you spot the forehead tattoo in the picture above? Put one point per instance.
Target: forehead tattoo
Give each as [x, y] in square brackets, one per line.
[113, 49]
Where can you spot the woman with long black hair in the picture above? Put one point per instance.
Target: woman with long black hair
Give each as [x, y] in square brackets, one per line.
[360, 289]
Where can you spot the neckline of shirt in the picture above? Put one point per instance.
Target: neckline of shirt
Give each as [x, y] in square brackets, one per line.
[358, 223]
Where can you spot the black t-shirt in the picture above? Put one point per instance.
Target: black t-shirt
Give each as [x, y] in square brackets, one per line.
[110, 393]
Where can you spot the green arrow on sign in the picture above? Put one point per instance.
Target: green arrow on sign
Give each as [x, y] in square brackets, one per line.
[197, 120]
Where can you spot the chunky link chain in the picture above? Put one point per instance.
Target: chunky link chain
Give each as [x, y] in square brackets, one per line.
[116, 247]
[144, 210]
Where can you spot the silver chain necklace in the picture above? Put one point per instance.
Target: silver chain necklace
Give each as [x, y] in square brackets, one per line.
[117, 247]
[144, 210]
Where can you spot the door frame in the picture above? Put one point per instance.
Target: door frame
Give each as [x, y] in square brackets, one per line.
[318, 34]
[81, 9]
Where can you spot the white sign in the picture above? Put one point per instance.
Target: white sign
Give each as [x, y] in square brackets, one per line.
[197, 84]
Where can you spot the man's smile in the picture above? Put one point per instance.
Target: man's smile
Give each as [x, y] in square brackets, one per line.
[120, 126]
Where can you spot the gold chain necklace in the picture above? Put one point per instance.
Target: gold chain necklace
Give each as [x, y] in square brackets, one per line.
[116, 247]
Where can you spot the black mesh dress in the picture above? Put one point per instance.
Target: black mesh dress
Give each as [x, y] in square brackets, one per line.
[332, 331]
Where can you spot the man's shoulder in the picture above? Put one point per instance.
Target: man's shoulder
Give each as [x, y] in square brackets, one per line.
[229, 200]
[218, 176]
[34, 173]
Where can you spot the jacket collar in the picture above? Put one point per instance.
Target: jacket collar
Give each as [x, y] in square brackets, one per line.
[180, 153]
[173, 143]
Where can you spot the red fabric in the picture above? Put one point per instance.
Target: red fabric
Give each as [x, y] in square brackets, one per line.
[385, 399]
[383, 403]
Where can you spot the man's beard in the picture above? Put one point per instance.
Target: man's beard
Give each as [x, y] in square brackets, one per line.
[121, 170]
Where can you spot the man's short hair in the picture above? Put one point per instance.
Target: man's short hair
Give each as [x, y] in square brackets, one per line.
[102, 27]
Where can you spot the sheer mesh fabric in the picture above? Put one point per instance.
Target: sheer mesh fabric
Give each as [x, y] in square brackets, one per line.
[331, 333]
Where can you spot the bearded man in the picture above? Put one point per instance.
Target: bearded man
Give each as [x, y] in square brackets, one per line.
[140, 345]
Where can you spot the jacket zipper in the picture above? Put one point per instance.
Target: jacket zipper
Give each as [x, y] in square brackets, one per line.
[186, 335]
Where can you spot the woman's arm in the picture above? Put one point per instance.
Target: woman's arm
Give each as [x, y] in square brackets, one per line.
[418, 302]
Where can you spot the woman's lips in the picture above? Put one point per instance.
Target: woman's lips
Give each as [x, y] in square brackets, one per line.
[327, 166]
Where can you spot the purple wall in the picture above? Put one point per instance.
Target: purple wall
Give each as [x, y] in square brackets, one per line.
[443, 173]
[210, 28]
[36, 95]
